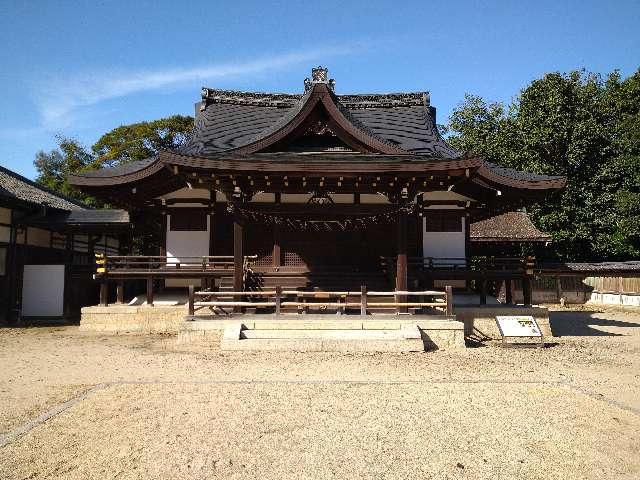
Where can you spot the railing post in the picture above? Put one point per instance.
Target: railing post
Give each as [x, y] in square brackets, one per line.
[192, 309]
[483, 290]
[150, 291]
[449, 299]
[120, 291]
[278, 298]
[363, 300]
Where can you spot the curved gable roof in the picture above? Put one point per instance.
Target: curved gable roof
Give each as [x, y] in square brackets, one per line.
[232, 120]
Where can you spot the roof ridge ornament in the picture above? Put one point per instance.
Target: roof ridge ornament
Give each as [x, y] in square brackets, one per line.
[319, 74]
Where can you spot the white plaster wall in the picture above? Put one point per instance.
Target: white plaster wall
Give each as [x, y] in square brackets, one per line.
[5, 215]
[43, 291]
[187, 244]
[444, 244]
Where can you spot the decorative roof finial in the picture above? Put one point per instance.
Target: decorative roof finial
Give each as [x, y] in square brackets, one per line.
[319, 74]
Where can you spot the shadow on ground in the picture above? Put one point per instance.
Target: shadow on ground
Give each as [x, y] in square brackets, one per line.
[584, 324]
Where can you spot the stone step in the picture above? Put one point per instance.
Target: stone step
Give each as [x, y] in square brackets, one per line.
[405, 339]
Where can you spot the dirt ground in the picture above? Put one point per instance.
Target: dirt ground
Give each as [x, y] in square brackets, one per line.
[78, 405]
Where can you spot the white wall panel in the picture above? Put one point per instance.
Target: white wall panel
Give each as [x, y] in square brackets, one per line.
[43, 291]
[444, 244]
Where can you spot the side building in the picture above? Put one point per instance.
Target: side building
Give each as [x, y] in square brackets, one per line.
[47, 246]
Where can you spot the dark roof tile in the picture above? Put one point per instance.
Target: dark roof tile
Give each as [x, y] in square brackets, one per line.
[17, 187]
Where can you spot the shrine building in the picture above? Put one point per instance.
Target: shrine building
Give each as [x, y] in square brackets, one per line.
[313, 191]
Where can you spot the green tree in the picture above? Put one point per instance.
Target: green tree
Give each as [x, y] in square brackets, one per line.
[121, 145]
[577, 125]
[54, 166]
[141, 140]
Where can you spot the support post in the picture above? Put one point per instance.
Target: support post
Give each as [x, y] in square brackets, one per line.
[508, 288]
[278, 298]
[192, 309]
[526, 289]
[277, 254]
[483, 291]
[238, 260]
[363, 300]
[449, 298]
[120, 291]
[401, 261]
[104, 293]
[150, 291]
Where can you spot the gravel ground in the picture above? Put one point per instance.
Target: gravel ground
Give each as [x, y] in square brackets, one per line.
[568, 411]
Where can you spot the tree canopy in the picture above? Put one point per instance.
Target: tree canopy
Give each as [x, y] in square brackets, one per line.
[121, 145]
[578, 125]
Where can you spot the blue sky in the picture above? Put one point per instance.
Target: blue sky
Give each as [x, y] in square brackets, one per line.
[82, 68]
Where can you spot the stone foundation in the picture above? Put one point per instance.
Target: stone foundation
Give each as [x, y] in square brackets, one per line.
[436, 331]
[133, 319]
[480, 321]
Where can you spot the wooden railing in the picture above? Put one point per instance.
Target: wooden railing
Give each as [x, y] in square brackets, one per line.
[461, 263]
[304, 301]
[132, 266]
[151, 268]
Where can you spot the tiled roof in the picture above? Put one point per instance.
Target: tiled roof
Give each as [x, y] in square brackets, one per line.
[230, 120]
[17, 187]
[508, 227]
[119, 170]
[632, 266]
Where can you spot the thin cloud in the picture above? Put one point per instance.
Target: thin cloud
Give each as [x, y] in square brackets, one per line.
[78, 92]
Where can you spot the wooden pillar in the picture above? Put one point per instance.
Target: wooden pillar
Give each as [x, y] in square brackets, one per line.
[401, 260]
[277, 253]
[508, 290]
[526, 289]
[120, 291]
[162, 251]
[150, 291]
[278, 299]
[238, 259]
[449, 299]
[363, 300]
[68, 293]
[192, 310]
[104, 293]
[483, 291]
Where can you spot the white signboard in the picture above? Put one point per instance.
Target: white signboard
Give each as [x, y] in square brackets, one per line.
[518, 326]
